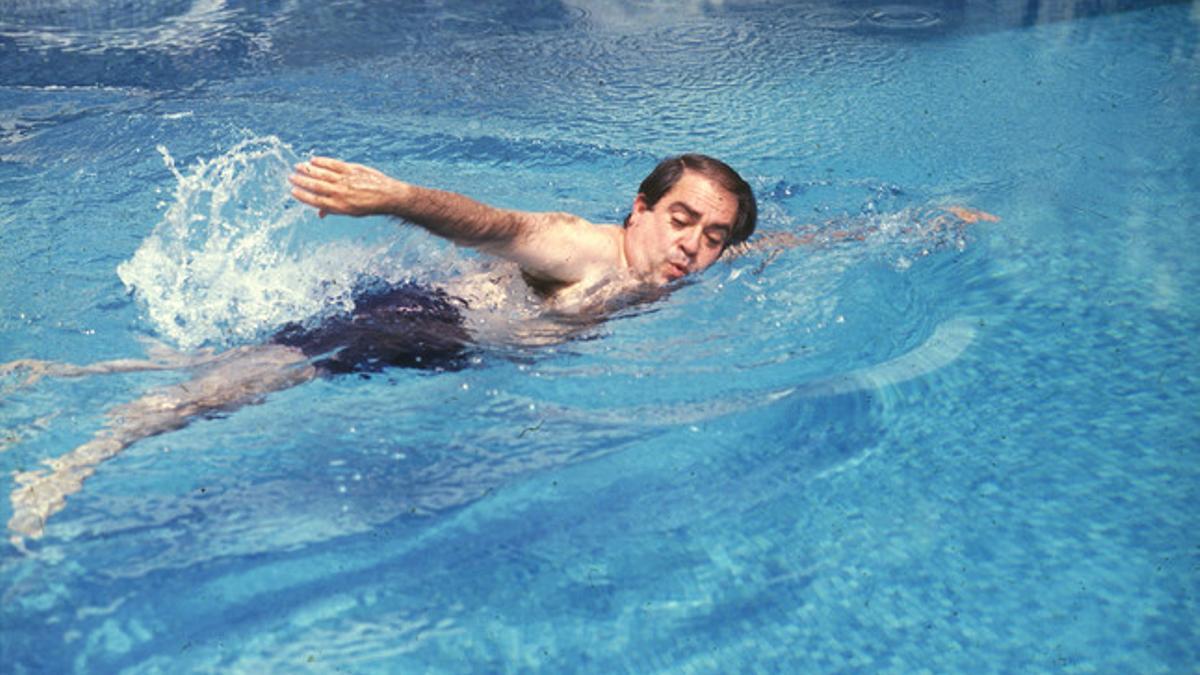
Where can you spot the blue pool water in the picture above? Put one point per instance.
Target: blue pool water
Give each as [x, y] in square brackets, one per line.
[966, 451]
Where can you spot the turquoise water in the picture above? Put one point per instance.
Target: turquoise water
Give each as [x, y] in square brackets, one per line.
[972, 450]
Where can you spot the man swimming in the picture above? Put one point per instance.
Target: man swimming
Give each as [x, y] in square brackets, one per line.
[688, 212]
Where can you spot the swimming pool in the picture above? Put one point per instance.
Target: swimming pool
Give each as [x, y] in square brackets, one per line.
[968, 451]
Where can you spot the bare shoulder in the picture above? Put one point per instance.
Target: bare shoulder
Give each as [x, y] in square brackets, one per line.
[569, 232]
[566, 248]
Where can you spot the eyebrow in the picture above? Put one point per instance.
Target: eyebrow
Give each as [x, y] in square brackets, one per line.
[692, 213]
[695, 215]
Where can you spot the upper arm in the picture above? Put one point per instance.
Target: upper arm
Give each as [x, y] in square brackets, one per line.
[558, 247]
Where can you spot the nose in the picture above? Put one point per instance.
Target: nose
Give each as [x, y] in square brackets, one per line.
[689, 241]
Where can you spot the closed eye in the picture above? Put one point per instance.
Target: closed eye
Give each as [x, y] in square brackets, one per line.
[716, 236]
[682, 215]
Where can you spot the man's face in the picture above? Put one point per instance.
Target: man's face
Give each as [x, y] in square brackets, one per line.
[683, 233]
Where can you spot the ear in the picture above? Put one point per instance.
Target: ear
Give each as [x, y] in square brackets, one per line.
[639, 207]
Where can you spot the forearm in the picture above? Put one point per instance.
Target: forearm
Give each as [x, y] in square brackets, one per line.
[333, 186]
[556, 246]
[859, 229]
[457, 217]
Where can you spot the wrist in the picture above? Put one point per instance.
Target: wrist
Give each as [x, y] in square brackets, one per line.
[398, 198]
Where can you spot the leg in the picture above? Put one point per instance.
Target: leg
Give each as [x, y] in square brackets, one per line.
[224, 382]
[36, 369]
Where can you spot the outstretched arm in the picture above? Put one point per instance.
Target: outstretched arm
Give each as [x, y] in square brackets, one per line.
[778, 241]
[553, 246]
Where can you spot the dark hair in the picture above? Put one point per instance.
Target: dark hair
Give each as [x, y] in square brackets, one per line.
[670, 170]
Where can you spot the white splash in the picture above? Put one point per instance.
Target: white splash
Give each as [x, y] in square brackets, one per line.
[234, 256]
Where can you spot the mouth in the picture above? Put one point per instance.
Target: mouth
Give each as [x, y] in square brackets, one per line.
[676, 271]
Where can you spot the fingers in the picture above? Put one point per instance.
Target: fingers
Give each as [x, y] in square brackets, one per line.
[316, 186]
[322, 204]
[322, 172]
[332, 164]
[334, 186]
[318, 183]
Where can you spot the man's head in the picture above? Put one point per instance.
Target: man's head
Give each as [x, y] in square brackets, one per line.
[687, 212]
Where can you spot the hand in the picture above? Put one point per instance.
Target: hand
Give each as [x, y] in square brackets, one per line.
[969, 215]
[343, 188]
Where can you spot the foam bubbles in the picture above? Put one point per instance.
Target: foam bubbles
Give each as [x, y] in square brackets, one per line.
[235, 257]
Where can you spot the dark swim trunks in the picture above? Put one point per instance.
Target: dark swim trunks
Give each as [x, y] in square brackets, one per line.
[409, 326]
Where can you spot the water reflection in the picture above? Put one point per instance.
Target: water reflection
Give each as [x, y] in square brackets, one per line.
[183, 42]
[859, 15]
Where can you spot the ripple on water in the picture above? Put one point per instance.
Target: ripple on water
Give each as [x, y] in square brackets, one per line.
[833, 18]
[115, 44]
[903, 17]
[93, 16]
[886, 17]
[174, 26]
